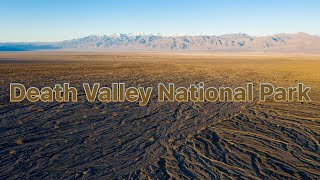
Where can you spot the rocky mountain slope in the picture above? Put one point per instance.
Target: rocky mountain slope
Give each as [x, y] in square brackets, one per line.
[298, 43]
[230, 42]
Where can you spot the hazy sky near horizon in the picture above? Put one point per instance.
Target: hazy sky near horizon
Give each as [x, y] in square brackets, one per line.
[42, 20]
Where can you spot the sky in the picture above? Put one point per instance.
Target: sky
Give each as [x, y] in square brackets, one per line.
[56, 20]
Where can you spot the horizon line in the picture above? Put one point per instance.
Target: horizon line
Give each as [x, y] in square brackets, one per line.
[160, 34]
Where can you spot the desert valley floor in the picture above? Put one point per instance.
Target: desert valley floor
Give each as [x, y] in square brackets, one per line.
[162, 140]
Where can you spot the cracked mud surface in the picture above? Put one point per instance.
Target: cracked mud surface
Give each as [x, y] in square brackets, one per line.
[160, 140]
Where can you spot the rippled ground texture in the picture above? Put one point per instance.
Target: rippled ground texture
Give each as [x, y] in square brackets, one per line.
[255, 140]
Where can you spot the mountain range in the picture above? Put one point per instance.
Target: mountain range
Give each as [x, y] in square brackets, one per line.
[296, 43]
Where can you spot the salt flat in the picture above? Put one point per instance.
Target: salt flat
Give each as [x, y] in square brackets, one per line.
[162, 139]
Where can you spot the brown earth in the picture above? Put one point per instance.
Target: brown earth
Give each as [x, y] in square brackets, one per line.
[272, 140]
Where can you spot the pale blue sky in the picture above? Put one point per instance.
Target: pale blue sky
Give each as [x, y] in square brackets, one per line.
[55, 20]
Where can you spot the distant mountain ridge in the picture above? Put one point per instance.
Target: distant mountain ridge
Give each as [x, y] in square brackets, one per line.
[298, 42]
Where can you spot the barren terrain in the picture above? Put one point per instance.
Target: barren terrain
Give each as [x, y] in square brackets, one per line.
[222, 140]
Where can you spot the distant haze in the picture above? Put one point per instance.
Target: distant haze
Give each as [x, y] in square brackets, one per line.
[293, 43]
